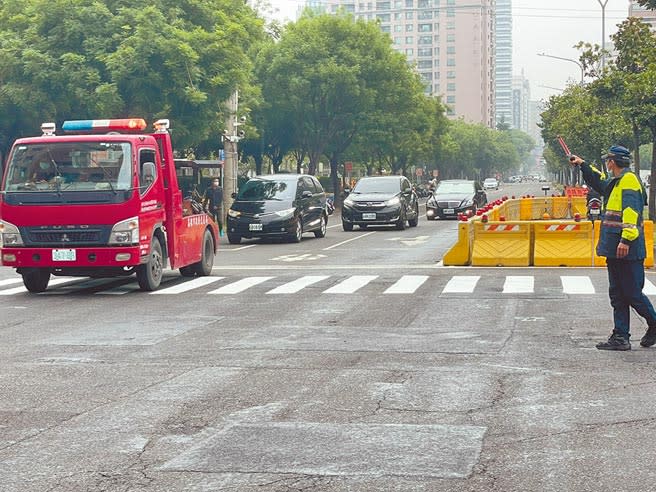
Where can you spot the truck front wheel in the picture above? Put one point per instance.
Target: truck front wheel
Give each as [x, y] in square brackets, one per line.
[149, 275]
[36, 279]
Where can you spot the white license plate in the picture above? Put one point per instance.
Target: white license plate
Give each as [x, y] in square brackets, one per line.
[63, 255]
[448, 211]
[369, 216]
[595, 211]
[254, 227]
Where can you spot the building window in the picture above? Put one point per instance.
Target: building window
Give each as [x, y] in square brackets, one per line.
[398, 28]
[425, 27]
[450, 25]
[386, 29]
[349, 7]
[450, 50]
[382, 5]
[409, 15]
[451, 86]
[397, 16]
[450, 99]
[409, 39]
[409, 3]
[450, 38]
[450, 74]
[423, 4]
[424, 52]
[409, 27]
[383, 17]
[409, 51]
[426, 76]
[425, 40]
[436, 51]
[425, 15]
[450, 2]
[450, 62]
[450, 13]
[397, 40]
[398, 4]
[424, 64]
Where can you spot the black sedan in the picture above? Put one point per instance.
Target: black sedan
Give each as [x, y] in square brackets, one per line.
[455, 196]
[381, 200]
[278, 205]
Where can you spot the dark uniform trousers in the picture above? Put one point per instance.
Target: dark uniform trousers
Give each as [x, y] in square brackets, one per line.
[626, 280]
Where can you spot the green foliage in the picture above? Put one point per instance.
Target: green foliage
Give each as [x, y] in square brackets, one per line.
[651, 4]
[100, 58]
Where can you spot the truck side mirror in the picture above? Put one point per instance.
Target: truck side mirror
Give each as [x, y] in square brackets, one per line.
[149, 171]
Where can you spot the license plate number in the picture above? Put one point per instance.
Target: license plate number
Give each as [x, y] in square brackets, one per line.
[63, 255]
[369, 216]
[448, 211]
[595, 211]
[254, 227]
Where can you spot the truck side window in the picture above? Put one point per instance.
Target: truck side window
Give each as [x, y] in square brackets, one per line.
[145, 155]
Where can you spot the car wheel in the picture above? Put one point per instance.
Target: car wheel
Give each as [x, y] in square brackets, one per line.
[400, 224]
[149, 276]
[234, 238]
[414, 222]
[321, 232]
[347, 226]
[36, 279]
[297, 235]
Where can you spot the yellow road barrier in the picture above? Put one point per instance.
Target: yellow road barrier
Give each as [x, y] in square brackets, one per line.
[560, 208]
[563, 243]
[501, 244]
[460, 253]
[579, 205]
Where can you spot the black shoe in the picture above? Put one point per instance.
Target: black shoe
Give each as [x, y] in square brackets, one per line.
[650, 337]
[615, 342]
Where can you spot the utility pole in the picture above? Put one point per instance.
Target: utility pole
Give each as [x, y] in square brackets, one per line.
[231, 136]
[603, 33]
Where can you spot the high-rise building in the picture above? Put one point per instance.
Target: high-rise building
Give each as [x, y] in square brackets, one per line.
[645, 14]
[521, 95]
[451, 42]
[503, 62]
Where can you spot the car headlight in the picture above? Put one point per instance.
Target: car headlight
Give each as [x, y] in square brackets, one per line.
[9, 235]
[393, 201]
[234, 213]
[348, 202]
[125, 232]
[285, 214]
[467, 203]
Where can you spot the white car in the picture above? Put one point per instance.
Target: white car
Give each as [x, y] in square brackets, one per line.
[491, 184]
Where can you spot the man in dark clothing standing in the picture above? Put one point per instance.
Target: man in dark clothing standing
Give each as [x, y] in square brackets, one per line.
[622, 242]
[214, 202]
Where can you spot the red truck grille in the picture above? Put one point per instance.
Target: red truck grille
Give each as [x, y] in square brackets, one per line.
[72, 237]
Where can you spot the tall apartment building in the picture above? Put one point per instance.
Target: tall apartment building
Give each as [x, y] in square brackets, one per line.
[646, 15]
[521, 96]
[503, 62]
[451, 42]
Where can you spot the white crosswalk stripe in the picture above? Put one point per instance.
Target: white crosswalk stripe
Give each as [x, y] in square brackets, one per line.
[515, 284]
[188, 285]
[461, 285]
[351, 284]
[650, 289]
[240, 285]
[21, 290]
[577, 285]
[298, 284]
[407, 284]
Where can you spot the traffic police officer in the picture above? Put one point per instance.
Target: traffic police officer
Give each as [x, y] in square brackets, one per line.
[622, 242]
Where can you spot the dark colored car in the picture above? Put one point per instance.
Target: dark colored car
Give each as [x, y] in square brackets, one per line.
[381, 200]
[278, 205]
[455, 196]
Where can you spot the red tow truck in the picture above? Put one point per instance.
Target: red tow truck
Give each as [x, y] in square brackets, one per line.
[102, 200]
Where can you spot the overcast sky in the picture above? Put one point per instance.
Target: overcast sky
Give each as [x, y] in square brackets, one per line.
[549, 26]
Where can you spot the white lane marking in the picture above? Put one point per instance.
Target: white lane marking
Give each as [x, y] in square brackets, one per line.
[10, 281]
[240, 285]
[351, 284]
[407, 284]
[188, 285]
[518, 284]
[349, 240]
[650, 289]
[240, 248]
[461, 284]
[298, 284]
[577, 285]
[20, 290]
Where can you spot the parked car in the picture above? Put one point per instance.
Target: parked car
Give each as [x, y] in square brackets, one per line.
[381, 200]
[491, 184]
[278, 205]
[453, 197]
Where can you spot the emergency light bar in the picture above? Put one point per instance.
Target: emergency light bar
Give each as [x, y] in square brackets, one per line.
[128, 124]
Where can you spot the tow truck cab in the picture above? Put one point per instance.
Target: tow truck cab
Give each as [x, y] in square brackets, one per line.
[99, 204]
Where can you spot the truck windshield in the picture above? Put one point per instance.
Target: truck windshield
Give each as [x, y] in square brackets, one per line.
[70, 166]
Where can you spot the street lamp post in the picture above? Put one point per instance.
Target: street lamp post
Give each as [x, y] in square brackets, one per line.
[603, 33]
[578, 64]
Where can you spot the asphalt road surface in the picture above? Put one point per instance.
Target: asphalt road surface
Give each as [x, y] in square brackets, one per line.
[355, 362]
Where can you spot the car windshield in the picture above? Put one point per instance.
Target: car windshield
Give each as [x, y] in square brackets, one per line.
[451, 187]
[265, 189]
[491, 180]
[70, 166]
[377, 185]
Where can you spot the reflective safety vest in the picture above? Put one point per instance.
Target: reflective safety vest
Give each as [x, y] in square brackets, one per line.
[624, 200]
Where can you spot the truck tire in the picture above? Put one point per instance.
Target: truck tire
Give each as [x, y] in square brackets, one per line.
[188, 271]
[36, 279]
[149, 275]
[204, 267]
